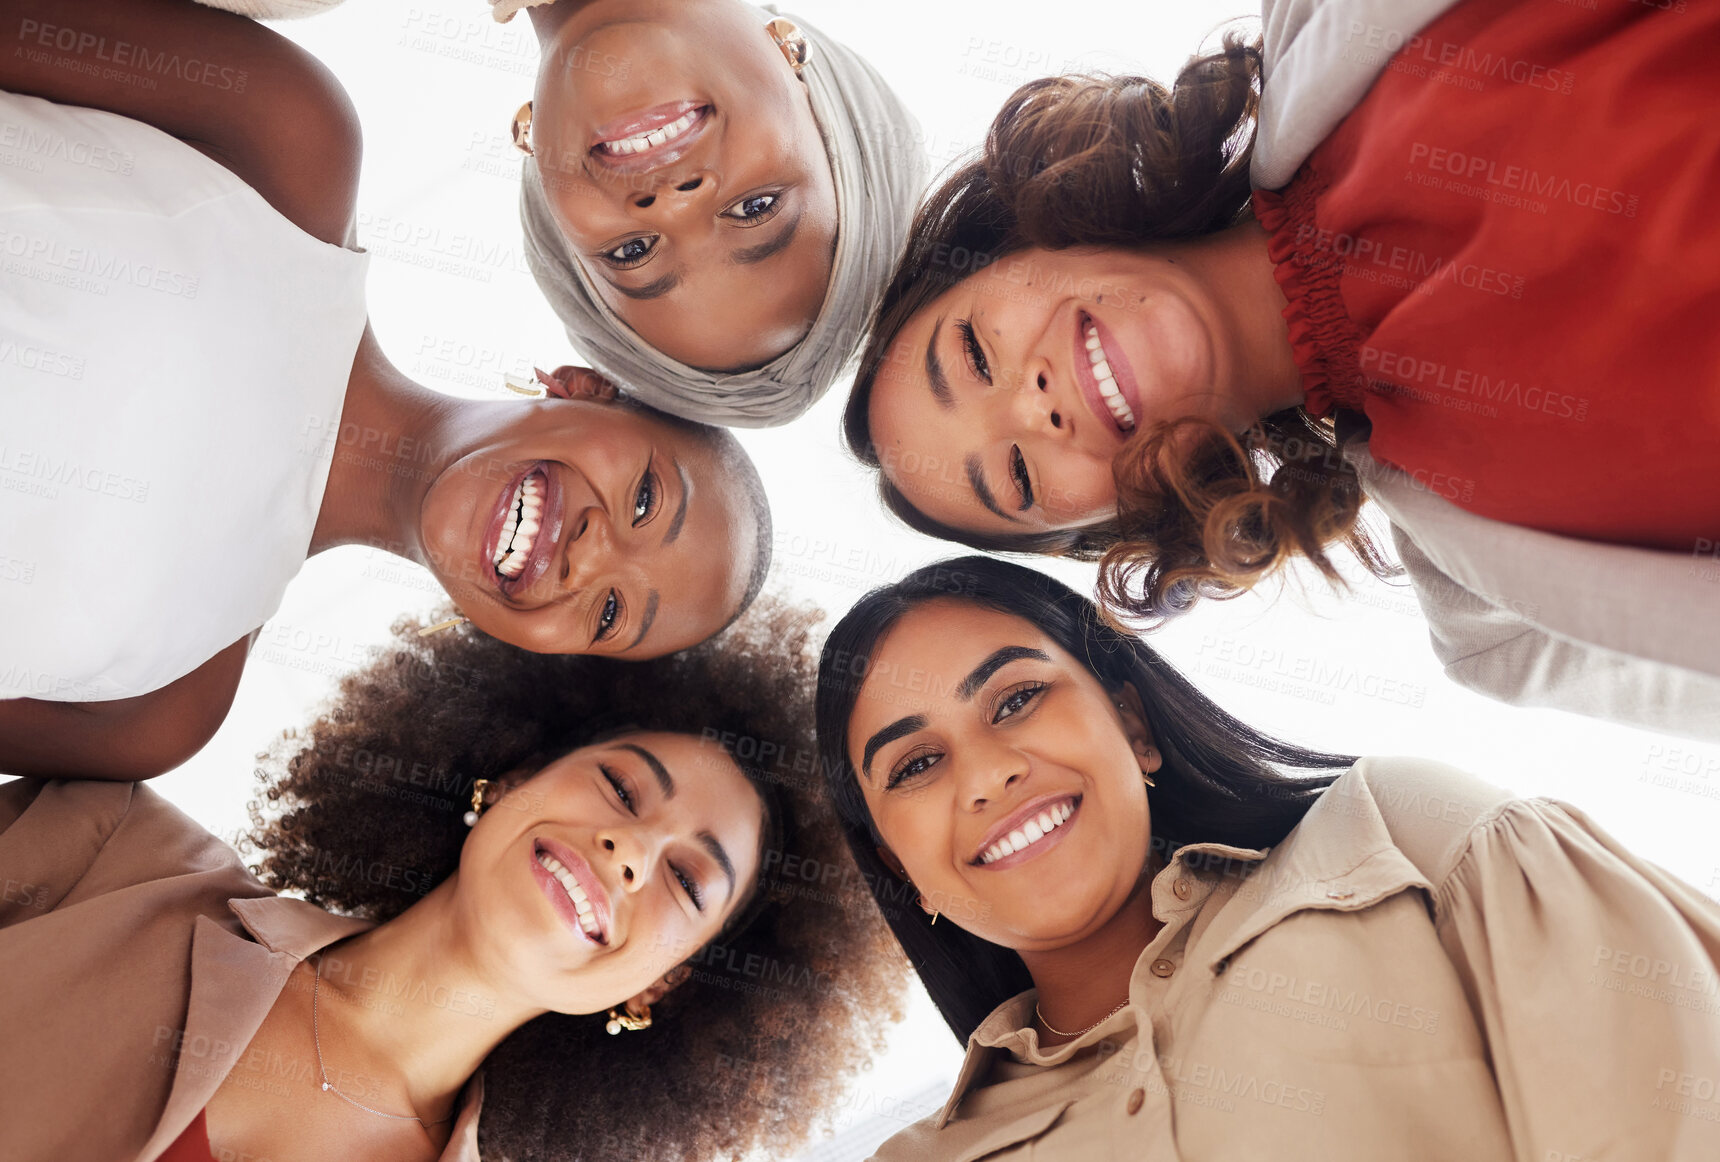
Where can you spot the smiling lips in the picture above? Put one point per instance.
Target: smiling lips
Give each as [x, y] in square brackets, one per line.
[644, 135]
[522, 524]
[586, 913]
[1027, 830]
[524, 530]
[1107, 382]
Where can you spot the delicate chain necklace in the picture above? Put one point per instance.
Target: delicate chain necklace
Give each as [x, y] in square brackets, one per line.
[1083, 1032]
[322, 1070]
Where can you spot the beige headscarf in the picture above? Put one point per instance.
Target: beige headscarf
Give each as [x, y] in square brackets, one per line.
[878, 163]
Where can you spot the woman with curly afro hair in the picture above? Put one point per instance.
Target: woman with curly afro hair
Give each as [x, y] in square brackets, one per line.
[566, 893]
[1410, 253]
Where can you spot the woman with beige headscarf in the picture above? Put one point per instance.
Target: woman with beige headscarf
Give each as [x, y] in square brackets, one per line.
[714, 198]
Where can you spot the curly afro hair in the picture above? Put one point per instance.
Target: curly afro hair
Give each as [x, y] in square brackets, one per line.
[754, 1049]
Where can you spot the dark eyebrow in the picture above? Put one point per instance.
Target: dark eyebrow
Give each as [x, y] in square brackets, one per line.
[982, 673]
[748, 255]
[721, 856]
[645, 622]
[681, 511]
[976, 479]
[900, 728]
[651, 290]
[664, 780]
[935, 376]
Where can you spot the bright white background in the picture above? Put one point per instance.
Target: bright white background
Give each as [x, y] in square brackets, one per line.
[436, 85]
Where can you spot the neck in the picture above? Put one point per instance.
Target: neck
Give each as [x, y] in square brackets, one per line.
[405, 1003]
[393, 439]
[1081, 983]
[1237, 268]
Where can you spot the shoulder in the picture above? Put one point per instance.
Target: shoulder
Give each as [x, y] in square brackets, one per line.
[79, 839]
[1430, 810]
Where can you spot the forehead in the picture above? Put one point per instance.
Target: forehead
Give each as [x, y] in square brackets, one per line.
[700, 576]
[931, 451]
[724, 315]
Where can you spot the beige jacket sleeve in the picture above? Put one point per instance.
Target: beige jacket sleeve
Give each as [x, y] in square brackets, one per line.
[1594, 974]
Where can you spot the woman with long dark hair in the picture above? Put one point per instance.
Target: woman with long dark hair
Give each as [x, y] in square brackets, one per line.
[193, 404]
[544, 916]
[1458, 263]
[1161, 933]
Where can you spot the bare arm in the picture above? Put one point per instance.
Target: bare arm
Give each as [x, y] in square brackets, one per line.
[129, 738]
[233, 88]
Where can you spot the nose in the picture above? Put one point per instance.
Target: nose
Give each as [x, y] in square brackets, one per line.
[629, 856]
[988, 772]
[1036, 407]
[589, 548]
[675, 197]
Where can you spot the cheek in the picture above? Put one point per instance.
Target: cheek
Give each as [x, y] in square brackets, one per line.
[1082, 488]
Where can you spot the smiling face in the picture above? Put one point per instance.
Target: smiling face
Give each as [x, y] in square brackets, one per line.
[582, 527]
[1000, 406]
[1003, 776]
[682, 161]
[597, 875]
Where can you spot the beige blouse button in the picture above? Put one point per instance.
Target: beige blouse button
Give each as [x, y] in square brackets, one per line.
[1181, 888]
[1340, 894]
[1162, 967]
[1135, 1100]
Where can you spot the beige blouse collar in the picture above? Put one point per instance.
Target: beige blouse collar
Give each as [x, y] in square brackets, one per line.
[1341, 857]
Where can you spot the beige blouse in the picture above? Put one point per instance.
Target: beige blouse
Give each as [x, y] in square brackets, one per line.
[139, 958]
[1424, 969]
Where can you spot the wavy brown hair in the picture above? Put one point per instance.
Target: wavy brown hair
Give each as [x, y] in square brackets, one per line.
[755, 1048]
[1126, 162]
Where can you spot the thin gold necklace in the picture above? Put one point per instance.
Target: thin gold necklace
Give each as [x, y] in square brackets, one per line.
[1050, 1028]
[329, 1087]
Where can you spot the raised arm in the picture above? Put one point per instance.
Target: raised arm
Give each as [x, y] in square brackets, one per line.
[226, 85]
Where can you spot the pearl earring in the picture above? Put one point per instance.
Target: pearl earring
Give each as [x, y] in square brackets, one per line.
[478, 789]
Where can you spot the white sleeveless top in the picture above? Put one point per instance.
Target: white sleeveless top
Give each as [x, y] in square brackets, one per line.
[174, 356]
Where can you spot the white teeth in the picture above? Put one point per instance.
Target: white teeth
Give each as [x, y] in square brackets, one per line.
[520, 528]
[581, 903]
[1029, 833]
[1108, 390]
[639, 143]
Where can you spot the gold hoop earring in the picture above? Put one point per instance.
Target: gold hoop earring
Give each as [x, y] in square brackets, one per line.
[795, 50]
[522, 129]
[624, 1018]
[478, 789]
[1147, 779]
[449, 623]
[935, 912]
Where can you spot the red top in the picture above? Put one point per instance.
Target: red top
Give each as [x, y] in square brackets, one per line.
[1505, 258]
[192, 1145]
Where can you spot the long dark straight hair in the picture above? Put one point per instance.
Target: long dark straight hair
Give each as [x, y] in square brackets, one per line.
[1221, 781]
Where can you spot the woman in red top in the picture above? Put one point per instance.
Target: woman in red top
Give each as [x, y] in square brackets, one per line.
[1500, 260]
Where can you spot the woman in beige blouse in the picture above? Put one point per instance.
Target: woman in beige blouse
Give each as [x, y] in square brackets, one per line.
[626, 859]
[1156, 944]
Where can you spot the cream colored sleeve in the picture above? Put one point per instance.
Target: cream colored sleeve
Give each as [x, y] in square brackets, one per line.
[1596, 976]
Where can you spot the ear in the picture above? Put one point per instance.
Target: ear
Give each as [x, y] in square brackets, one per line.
[657, 991]
[568, 382]
[1139, 731]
